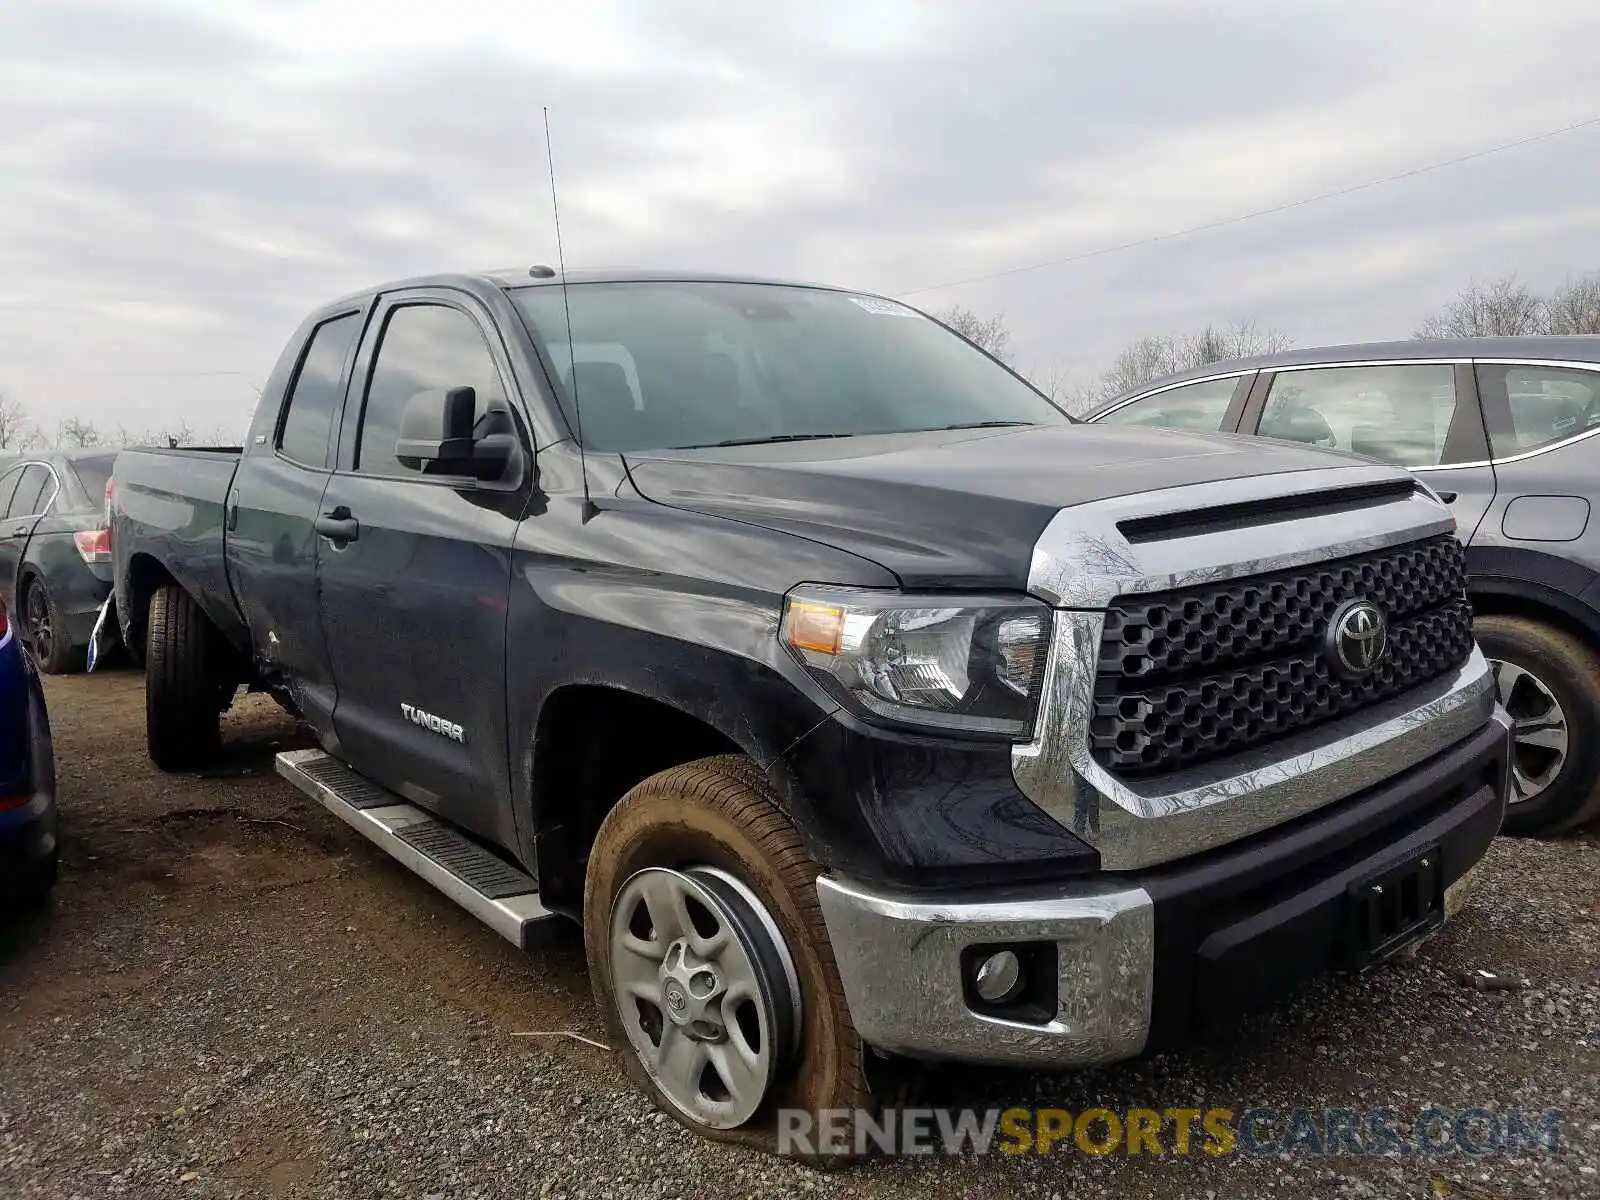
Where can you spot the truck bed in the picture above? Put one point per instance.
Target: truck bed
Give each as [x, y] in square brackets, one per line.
[167, 514]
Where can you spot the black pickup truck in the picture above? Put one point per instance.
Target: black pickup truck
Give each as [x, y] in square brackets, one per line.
[858, 703]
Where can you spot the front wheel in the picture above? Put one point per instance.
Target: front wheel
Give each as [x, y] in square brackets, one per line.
[709, 958]
[1549, 683]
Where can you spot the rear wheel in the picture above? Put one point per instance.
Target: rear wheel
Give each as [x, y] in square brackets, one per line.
[47, 631]
[709, 958]
[1549, 683]
[188, 682]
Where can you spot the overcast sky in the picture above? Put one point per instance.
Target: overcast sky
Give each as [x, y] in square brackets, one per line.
[180, 181]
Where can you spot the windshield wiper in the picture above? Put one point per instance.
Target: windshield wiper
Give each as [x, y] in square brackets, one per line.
[977, 425]
[757, 441]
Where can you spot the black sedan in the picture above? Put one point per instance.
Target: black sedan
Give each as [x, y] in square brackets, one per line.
[55, 552]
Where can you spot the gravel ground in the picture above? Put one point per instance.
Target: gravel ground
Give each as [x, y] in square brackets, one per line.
[233, 995]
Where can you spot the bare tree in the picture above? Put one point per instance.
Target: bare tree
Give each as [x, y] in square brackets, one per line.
[16, 430]
[1217, 343]
[1155, 355]
[990, 333]
[1574, 307]
[180, 433]
[1503, 307]
[75, 433]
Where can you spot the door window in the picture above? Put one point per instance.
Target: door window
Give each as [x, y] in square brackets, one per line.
[1201, 406]
[1534, 406]
[424, 348]
[34, 493]
[1401, 414]
[317, 394]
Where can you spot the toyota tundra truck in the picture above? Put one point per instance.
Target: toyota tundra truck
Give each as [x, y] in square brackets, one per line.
[858, 704]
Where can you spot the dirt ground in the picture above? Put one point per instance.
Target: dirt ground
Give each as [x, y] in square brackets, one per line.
[234, 995]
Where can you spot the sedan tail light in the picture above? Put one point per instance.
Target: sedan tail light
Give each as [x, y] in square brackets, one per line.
[94, 545]
[5, 620]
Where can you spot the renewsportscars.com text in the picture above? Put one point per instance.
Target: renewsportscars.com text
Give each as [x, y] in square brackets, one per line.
[1328, 1132]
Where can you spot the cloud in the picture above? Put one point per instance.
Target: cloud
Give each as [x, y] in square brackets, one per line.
[185, 179]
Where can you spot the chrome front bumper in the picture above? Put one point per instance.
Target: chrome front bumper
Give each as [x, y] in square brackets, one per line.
[900, 960]
[900, 955]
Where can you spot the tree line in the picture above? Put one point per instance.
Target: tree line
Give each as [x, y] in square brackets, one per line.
[19, 433]
[1503, 307]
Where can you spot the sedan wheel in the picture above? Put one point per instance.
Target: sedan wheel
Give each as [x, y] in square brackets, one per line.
[1539, 732]
[41, 631]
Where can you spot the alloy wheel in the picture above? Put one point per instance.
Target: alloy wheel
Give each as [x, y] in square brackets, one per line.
[40, 633]
[1539, 736]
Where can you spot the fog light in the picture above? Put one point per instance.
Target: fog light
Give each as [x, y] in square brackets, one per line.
[998, 978]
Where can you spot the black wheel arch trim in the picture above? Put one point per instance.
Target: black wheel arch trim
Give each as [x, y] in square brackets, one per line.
[1534, 579]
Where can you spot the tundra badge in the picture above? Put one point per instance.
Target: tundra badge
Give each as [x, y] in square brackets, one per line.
[433, 724]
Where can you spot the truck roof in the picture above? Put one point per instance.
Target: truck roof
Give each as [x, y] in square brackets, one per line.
[508, 278]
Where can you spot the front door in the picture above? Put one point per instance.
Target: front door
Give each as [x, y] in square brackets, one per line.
[1423, 416]
[414, 572]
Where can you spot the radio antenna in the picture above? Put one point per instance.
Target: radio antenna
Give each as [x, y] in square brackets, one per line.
[589, 509]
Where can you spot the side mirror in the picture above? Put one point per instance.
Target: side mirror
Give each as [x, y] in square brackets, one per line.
[438, 437]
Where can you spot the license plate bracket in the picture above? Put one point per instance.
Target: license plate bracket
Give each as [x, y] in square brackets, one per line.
[1394, 907]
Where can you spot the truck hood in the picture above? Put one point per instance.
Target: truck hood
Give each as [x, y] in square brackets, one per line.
[958, 508]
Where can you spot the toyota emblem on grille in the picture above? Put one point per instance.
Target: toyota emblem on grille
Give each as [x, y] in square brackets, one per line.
[1357, 639]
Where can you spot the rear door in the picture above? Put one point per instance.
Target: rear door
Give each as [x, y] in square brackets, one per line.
[36, 489]
[270, 539]
[1423, 416]
[414, 587]
[1534, 410]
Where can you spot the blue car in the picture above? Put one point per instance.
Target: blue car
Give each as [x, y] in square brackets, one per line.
[27, 779]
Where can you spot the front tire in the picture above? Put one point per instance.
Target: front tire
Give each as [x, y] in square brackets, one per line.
[1549, 682]
[701, 896]
[185, 682]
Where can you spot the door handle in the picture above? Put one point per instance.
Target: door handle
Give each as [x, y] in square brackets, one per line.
[20, 531]
[338, 525]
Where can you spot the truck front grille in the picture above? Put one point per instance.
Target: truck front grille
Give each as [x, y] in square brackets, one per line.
[1189, 675]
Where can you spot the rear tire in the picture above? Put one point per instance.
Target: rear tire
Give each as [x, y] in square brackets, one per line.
[1550, 684]
[186, 682]
[47, 631]
[720, 813]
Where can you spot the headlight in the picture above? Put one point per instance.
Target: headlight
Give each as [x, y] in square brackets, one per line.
[967, 664]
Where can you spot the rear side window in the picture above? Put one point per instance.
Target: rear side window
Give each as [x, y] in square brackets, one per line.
[35, 491]
[93, 473]
[1400, 414]
[316, 394]
[425, 348]
[1200, 406]
[1533, 406]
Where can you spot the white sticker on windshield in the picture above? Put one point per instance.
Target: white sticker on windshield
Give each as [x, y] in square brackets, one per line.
[883, 308]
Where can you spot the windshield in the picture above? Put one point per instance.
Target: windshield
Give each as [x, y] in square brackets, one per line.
[674, 365]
